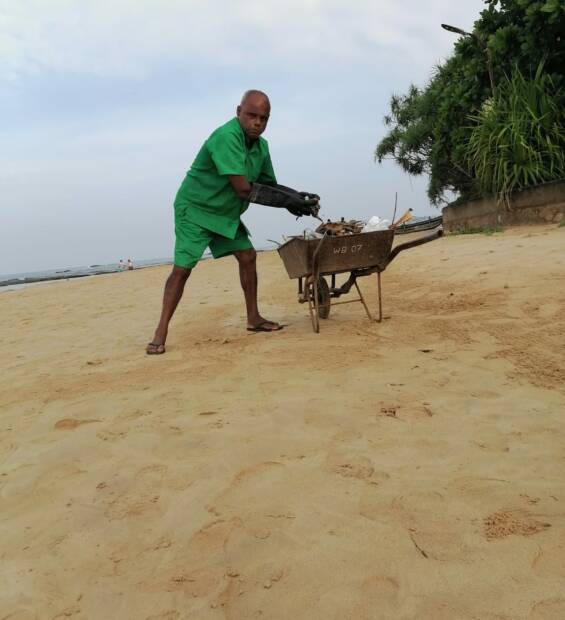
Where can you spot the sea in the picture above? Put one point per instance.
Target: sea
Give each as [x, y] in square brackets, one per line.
[12, 281]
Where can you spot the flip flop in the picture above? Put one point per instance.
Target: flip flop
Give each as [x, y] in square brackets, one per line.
[155, 344]
[261, 327]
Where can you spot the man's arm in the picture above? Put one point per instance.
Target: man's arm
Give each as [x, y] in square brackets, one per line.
[240, 186]
[298, 203]
[267, 176]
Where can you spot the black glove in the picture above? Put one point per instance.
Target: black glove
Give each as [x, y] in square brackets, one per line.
[307, 195]
[298, 203]
[304, 195]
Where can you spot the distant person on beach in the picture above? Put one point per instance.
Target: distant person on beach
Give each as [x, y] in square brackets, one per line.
[232, 169]
[121, 265]
[130, 263]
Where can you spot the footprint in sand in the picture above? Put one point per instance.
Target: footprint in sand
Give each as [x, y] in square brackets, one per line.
[433, 530]
[132, 506]
[255, 513]
[172, 614]
[217, 424]
[134, 415]
[550, 559]
[349, 465]
[359, 467]
[109, 435]
[212, 537]
[448, 607]
[95, 362]
[153, 471]
[348, 435]
[251, 490]
[196, 583]
[232, 600]
[163, 543]
[69, 424]
[549, 609]
[272, 577]
[512, 522]
[74, 610]
[388, 410]
[206, 546]
[156, 476]
[410, 411]
[378, 592]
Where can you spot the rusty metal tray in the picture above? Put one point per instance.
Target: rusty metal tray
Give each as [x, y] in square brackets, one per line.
[337, 254]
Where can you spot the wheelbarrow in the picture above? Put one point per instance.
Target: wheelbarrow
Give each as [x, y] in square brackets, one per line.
[362, 254]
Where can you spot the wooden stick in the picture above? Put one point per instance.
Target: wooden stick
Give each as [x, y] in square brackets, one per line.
[404, 218]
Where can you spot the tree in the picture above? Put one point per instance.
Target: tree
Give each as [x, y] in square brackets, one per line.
[430, 128]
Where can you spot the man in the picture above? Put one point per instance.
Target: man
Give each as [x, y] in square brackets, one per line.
[232, 169]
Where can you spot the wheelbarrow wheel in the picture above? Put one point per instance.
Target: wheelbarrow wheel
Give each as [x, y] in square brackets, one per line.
[323, 298]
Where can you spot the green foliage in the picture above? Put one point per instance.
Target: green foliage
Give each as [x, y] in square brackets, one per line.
[428, 128]
[419, 139]
[481, 230]
[518, 138]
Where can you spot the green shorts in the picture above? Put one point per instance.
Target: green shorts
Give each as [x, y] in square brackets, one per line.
[191, 240]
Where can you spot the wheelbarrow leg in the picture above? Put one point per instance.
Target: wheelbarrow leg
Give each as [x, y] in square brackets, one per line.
[380, 297]
[362, 299]
[316, 307]
[312, 293]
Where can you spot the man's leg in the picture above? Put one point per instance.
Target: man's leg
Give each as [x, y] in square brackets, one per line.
[190, 242]
[174, 288]
[247, 260]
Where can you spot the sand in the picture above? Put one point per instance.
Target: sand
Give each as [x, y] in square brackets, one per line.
[410, 469]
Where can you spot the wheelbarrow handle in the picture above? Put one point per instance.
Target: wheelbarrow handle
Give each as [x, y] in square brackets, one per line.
[411, 244]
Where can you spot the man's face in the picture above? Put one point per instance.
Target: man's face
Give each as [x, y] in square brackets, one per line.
[253, 115]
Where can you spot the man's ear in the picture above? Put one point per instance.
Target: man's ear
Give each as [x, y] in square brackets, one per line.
[238, 111]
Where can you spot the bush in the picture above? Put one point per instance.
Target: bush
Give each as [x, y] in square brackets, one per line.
[428, 128]
[517, 138]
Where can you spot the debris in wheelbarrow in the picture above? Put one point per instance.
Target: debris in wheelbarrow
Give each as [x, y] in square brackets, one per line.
[354, 227]
[360, 254]
[350, 227]
[339, 229]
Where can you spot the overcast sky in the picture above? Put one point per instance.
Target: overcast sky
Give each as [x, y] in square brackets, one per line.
[104, 104]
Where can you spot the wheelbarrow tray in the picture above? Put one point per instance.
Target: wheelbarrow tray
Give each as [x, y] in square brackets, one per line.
[337, 254]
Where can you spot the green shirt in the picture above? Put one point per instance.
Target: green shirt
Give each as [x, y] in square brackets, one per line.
[206, 192]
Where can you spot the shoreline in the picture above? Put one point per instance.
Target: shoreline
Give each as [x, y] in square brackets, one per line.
[68, 273]
[16, 283]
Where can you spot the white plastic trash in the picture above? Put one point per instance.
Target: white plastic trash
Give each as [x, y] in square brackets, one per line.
[375, 223]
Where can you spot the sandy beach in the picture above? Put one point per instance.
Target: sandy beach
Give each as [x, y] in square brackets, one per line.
[412, 469]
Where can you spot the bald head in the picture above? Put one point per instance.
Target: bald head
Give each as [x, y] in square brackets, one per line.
[255, 95]
[253, 113]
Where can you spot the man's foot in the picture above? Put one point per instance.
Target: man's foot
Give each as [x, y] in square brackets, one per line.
[155, 348]
[264, 326]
